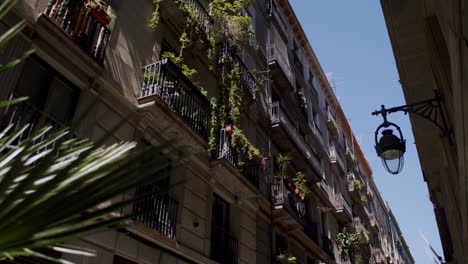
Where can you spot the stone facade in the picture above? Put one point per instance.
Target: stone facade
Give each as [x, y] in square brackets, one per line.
[260, 217]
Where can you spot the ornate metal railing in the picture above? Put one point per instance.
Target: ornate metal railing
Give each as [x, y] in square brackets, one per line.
[281, 196]
[87, 28]
[342, 204]
[204, 18]
[26, 114]
[156, 210]
[278, 116]
[247, 79]
[249, 168]
[227, 53]
[166, 80]
[224, 247]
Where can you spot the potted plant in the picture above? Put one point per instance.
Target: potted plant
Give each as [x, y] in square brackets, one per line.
[97, 8]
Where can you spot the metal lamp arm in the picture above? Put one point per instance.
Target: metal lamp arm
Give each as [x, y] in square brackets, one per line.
[428, 109]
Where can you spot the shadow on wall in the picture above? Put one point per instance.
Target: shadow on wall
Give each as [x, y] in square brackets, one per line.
[131, 46]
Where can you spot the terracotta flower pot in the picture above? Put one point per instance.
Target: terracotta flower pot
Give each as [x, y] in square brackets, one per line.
[229, 129]
[100, 14]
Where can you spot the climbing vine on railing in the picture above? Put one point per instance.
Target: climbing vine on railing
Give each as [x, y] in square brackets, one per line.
[154, 19]
[231, 25]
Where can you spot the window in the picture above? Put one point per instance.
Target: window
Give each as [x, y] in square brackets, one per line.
[52, 98]
[223, 245]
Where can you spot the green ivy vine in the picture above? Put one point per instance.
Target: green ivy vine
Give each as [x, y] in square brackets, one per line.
[154, 19]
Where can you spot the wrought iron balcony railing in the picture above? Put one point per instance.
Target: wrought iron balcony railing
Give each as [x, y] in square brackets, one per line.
[277, 117]
[26, 114]
[204, 19]
[224, 247]
[282, 197]
[342, 205]
[247, 79]
[86, 27]
[249, 168]
[165, 80]
[156, 209]
[331, 122]
[335, 157]
[227, 53]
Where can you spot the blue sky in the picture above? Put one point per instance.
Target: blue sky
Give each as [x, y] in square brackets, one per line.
[351, 41]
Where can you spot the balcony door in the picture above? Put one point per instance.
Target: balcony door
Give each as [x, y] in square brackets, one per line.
[223, 245]
[52, 99]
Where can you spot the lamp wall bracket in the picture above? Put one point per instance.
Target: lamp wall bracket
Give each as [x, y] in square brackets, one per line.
[430, 109]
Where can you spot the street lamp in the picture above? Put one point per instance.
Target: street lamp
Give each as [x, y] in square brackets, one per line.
[390, 147]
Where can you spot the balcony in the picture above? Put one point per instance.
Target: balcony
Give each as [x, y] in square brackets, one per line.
[378, 255]
[373, 220]
[283, 124]
[336, 159]
[361, 230]
[204, 18]
[350, 158]
[327, 246]
[156, 210]
[23, 114]
[343, 209]
[326, 191]
[224, 247]
[172, 14]
[332, 124]
[165, 81]
[279, 65]
[248, 81]
[224, 150]
[284, 198]
[86, 28]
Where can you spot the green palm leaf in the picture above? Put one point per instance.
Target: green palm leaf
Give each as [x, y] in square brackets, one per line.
[54, 187]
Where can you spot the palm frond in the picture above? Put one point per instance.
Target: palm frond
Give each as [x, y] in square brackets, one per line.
[52, 194]
[6, 37]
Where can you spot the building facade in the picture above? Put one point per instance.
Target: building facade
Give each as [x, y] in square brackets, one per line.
[281, 178]
[430, 49]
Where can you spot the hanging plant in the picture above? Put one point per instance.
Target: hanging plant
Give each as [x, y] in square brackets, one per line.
[283, 161]
[213, 125]
[363, 199]
[347, 241]
[301, 184]
[231, 22]
[357, 185]
[235, 95]
[240, 142]
[154, 19]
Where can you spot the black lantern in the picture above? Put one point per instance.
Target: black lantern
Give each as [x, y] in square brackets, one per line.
[390, 148]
